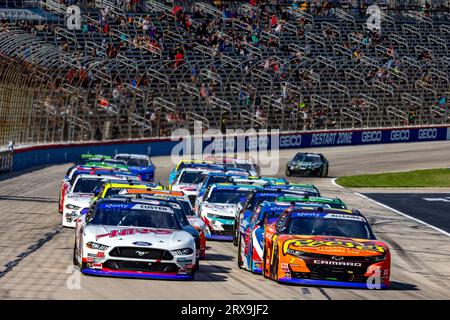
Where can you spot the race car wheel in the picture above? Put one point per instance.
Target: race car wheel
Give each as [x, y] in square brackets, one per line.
[235, 233]
[274, 267]
[239, 259]
[288, 173]
[264, 263]
[197, 264]
[75, 261]
[324, 172]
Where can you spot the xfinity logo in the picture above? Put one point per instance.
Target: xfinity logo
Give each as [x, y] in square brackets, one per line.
[425, 134]
[371, 136]
[338, 263]
[400, 135]
[291, 141]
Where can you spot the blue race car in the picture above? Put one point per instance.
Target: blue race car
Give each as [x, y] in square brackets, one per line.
[140, 164]
[251, 233]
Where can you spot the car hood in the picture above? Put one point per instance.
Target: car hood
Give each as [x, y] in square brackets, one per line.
[127, 236]
[79, 197]
[333, 245]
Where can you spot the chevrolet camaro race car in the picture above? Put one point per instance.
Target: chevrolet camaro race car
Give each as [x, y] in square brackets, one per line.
[325, 247]
[133, 238]
[139, 164]
[308, 164]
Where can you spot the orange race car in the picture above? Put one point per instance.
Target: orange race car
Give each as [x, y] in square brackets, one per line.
[325, 247]
[192, 217]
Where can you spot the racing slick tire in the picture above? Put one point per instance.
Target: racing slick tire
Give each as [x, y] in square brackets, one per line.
[197, 264]
[264, 263]
[274, 267]
[324, 172]
[236, 236]
[239, 259]
[288, 173]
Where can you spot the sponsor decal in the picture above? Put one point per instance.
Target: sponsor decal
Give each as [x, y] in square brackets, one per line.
[338, 263]
[142, 244]
[427, 134]
[291, 141]
[371, 136]
[131, 231]
[311, 243]
[344, 217]
[400, 135]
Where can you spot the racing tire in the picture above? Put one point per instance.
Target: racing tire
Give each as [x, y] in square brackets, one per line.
[264, 263]
[236, 236]
[239, 259]
[197, 264]
[75, 261]
[274, 267]
[324, 172]
[287, 173]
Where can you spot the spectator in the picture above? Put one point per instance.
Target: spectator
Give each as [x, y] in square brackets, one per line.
[179, 59]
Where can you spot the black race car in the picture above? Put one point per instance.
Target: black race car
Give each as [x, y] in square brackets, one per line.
[307, 164]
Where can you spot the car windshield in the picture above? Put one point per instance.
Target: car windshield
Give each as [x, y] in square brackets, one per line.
[313, 158]
[218, 179]
[192, 177]
[320, 226]
[113, 191]
[245, 166]
[136, 162]
[86, 185]
[259, 199]
[186, 206]
[135, 215]
[269, 215]
[228, 196]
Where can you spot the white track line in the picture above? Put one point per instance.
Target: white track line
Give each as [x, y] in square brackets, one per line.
[333, 181]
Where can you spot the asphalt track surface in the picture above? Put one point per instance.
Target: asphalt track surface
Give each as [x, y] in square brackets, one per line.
[36, 253]
[432, 208]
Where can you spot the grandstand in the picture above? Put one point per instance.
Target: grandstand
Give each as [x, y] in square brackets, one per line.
[143, 68]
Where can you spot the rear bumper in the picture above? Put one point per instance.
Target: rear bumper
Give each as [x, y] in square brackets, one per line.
[135, 274]
[328, 283]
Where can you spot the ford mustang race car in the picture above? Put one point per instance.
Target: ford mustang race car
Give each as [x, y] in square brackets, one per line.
[248, 165]
[84, 158]
[325, 247]
[133, 238]
[219, 208]
[80, 194]
[112, 188]
[307, 164]
[251, 239]
[140, 164]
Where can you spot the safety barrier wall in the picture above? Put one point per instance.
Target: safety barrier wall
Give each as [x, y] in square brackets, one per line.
[59, 153]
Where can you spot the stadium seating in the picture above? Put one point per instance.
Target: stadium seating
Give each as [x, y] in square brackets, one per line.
[317, 70]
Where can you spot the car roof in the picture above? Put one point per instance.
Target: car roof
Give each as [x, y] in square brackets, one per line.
[326, 211]
[309, 198]
[232, 186]
[123, 199]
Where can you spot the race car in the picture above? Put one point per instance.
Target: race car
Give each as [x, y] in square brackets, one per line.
[251, 233]
[73, 173]
[188, 181]
[112, 188]
[112, 164]
[139, 238]
[185, 203]
[80, 194]
[246, 164]
[140, 164]
[309, 189]
[333, 203]
[254, 199]
[324, 247]
[308, 164]
[212, 178]
[84, 158]
[187, 164]
[219, 208]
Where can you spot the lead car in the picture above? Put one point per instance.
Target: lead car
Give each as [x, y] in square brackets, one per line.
[133, 238]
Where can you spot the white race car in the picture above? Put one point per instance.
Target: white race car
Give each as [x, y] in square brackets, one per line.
[80, 194]
[220, 206]
[188, 181]
[133, 238]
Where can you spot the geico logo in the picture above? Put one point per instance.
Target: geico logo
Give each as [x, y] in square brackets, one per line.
[371, 136]
[291, 141]
[427, 134]
[399, 135]
[338, 263]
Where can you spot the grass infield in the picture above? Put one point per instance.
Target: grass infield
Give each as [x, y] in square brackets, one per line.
[409, 179]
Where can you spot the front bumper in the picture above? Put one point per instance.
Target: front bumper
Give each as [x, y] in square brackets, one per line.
[136, 274]
[69, 216]
[328, 283]
[219, 230]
